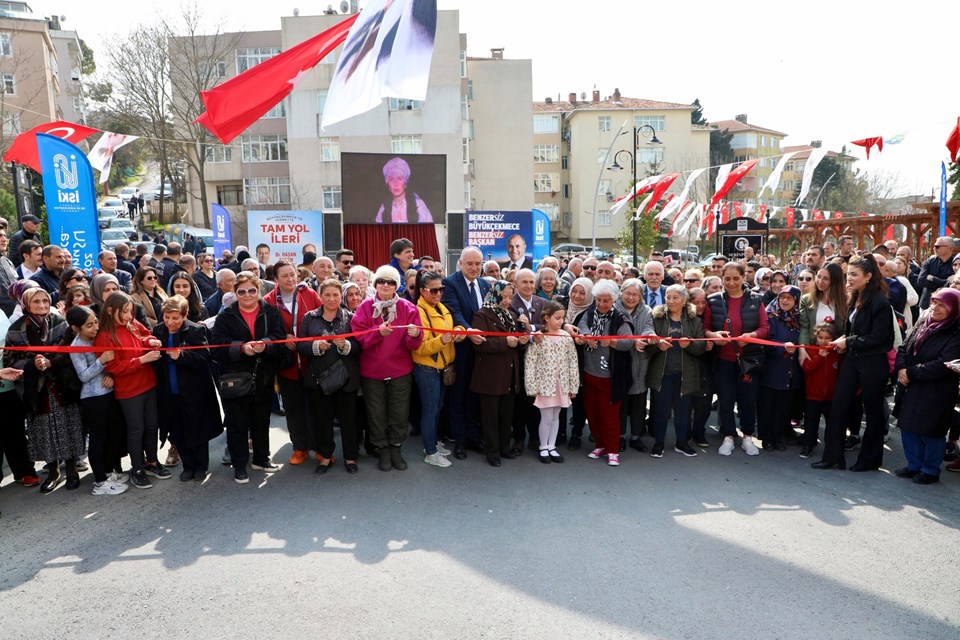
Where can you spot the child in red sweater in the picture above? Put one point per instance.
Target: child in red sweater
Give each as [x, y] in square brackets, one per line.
[134, 384]
[821, 370]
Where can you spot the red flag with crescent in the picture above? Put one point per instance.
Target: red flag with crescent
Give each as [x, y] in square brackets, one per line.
[24, 147]
[735, 176]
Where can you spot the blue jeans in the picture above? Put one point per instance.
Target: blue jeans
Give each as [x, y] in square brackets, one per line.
[923, 453]
[430, 384]
[731, 389]
[669, 398]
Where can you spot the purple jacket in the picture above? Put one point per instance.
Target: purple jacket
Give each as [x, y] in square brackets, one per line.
[385, 357]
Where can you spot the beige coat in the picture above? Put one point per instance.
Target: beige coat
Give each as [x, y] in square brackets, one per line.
[545, 359]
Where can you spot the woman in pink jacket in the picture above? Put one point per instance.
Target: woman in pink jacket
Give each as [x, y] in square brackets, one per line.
[386, 364]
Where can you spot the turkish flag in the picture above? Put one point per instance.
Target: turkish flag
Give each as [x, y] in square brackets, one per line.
[659, 189]
[240, 101]
[837, 214]
[889, 233]
[763, 213]
[790, 216]
[868, 143]
[24, 147]
[724, 213]
[732, 180]
[817, 214]
[738, 209]
[953, 142]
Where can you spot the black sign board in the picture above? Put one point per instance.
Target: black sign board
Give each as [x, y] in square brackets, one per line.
[739, 233]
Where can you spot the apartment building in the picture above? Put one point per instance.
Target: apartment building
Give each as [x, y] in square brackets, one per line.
[573, 176]
[751, 142]
[477, 114]
[69, 63]
[792, 176]
[28, 71]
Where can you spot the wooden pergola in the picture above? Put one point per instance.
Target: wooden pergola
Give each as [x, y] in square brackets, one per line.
[921, 227]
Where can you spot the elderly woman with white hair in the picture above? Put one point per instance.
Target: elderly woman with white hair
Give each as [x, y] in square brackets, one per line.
[361, 276]
[674, 371]
[607, 368]
[399, 205]
[634, 407]
[386, 364]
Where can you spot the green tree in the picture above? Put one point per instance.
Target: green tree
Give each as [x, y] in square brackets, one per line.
[720, 150]
[87, 63]
[954, 178]
[696, 116]
[647, 236]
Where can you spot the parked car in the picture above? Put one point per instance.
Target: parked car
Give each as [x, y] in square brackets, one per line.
[176, 232]
[601, 254]
[568, 250]
[109, 238]
[154, 194]
[677, 258]
[104, 216]
[116, 204]
[127, 192]
[705, 262]
[125, 225]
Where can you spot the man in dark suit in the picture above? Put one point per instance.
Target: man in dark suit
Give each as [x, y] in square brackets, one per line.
[654, 293]
[517, 254]
[108, 264]
[529, 308]
[122, 251]
[463, 295]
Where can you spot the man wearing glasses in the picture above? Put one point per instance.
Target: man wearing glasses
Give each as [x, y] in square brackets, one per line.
[590, 269]
[936, 270]
[345, 260]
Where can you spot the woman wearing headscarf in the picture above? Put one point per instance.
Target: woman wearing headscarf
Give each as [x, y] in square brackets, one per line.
[352, 296]
[49, 388]
[386, 366]
[634, 407]
[496, 371]
[580, 297]
[102, 286]
[927, 390]
[781, 375]
[606, 368]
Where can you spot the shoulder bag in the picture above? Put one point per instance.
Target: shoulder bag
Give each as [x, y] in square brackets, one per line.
[448, 372]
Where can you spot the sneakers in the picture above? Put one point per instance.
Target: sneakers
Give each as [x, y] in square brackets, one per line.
[685, 449]
[657, 451]
[157, 471]
[30, 480]
[299, 457]
[852, 442]
[924, 478]
[107, 488]
[80, 463]
[727, 447]
[140, 480]
[950, 452]
[749, 447]
[437, 459]
[701, 441]
[267, 467]
[905, 472]
[442, 450]
[613, 459]
[240, 476]
[596, 453]
[806, 451]
[953, 466]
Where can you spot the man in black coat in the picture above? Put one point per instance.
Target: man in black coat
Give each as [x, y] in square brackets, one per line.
[50, 269]
[108, 264]
[936, 270]
[29, 230]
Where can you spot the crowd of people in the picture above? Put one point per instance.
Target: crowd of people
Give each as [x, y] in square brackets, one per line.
[172, 349]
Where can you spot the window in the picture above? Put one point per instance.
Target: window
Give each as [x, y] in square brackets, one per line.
[550, 208]
[605, 187]
[266, 190]
[264, 148]
[6, 49]
[229, 194]
[647, 155]
[604, 122]
[329, 149]
[470, 89]
[656, 122]
[278, 110]
[463, 64]
[603, 218]
[544, 123]
[213, 70]
[402, 104]
[467, 195]
[218, 153]
[332, 197]
[470, 135]
[78, 104]
[11, 124]
[321, 100]
[9, 85]
[466, 151]
[464, 108]
[406, 144]
[247, 58]
[545, 182]
[602, 155]
[564, 163]
[567, 190]
[546, 153]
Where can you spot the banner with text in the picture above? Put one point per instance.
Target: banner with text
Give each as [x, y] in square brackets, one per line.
[541, 236]
[504, 236]
[222, 231]
[284, 233]
[70, 198]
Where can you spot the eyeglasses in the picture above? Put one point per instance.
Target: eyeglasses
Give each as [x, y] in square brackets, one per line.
[384, 281]
[79, 278]
[804, 278]
[347, 262]
[246, 292]
[589, 268]
[435, 290]
[942, 246]
[691, 280]
[150, 277]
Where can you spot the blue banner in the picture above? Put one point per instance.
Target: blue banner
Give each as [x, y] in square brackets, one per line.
[503, 236]
[71, 200]
[222, 231]
[943, 198]
[541, 236]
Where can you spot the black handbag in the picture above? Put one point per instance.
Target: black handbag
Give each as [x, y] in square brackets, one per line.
[333, 378]
[236, 385]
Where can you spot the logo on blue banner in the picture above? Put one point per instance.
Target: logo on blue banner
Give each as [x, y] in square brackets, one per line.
[70, 198]
[541, 236]
[222, 231]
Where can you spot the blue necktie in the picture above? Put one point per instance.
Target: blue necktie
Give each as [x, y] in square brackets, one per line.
[653, 298]
[473, 296]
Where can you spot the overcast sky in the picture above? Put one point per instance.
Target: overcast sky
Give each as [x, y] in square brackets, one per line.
[835, 71]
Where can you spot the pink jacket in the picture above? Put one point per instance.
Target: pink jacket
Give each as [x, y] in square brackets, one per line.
[386, 357]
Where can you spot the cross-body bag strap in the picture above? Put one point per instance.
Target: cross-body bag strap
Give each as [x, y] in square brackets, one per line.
[443, 360]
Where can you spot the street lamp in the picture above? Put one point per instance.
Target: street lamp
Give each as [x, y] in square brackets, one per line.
[616, 166]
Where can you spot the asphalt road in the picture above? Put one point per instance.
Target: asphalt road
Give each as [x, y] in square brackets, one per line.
[701, 548]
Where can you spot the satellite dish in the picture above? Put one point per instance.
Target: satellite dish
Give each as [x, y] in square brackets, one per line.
[63, 18]
[344, 6]
[583, 95]
[296, 12]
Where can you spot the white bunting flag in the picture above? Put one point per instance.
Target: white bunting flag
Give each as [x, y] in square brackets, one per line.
[774, 180]
[815, 157]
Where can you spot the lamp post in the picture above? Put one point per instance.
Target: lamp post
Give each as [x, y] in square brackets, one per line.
[633, 168]
[596, 192]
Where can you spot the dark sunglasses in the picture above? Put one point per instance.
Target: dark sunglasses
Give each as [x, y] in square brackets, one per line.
[347, 262]
[380, 281]
[79, 277]
[435, 290]
[691, 280]
[804, 278]
[587, 268]
[149, 277]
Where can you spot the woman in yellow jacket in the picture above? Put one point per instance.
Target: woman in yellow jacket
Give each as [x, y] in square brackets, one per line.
[429, 360]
